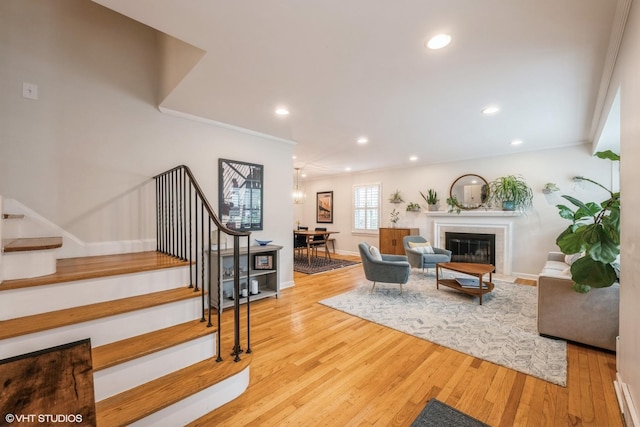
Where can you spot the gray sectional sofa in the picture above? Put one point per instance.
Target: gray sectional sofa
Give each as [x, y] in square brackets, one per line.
[590, 318]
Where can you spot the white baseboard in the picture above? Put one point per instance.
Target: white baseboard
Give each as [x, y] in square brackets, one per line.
[627, 407]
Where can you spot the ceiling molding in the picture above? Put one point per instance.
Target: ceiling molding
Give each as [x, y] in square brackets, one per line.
[188, 116]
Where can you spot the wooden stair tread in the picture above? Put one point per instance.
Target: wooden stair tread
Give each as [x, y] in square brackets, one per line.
[44, 321]
[12, 216]
[22, 244]
[131, 348]
[82, 268]
[139, 402]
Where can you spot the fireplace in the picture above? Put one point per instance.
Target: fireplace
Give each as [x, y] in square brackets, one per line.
[471, 247]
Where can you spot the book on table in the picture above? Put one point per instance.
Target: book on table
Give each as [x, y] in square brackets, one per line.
[470, 283]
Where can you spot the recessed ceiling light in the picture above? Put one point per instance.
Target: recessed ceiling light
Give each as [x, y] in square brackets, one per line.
[282, 111]
[303, 175]
[516, 142]
[439, 41]
[294, 157]
[491, 109]
[413, 158]
[348, 169]
[363, 140]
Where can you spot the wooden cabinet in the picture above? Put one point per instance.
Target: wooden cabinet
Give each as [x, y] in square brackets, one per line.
[391, 239]
[263, 267]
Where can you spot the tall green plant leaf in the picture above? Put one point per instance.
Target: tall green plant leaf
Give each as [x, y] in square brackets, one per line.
[570, 241]
[586, 271]
[608, 154]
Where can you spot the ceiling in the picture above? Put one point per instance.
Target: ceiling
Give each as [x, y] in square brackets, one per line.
[351, 68]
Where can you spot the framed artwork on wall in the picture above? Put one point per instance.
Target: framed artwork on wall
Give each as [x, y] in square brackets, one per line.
[324, 207]
[240, 194]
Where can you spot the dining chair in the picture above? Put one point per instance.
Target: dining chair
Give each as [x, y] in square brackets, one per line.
[299, 241]
[320, 240]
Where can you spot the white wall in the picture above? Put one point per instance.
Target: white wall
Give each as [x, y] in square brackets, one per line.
[82, 154]
[626, 79]
[534, 233]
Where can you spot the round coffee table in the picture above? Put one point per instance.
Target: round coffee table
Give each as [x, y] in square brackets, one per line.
[471, 286]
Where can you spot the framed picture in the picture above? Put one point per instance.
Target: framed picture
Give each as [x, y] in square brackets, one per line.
[263, 262]
[240, 194]
[324, 206]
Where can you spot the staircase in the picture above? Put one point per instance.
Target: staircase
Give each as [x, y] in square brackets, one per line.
[153, 356]
[155, 351]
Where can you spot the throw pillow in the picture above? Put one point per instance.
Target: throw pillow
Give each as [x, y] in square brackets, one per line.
[375, 253]
[570, 259]
[424, 248]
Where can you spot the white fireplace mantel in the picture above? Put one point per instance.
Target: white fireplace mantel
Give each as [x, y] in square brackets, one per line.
[499, 223]
[475, 213]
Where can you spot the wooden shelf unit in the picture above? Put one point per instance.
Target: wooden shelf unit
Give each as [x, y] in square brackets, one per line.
[391, 239]
[268, 278]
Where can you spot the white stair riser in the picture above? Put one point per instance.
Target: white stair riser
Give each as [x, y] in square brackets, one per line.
[108, 329]
[124, 376]
[40, 299]
[27, 264]
[195, 406]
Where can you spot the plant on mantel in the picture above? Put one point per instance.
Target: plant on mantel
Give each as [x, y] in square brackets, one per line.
[512, 192]
[595, 232]
[431, 198]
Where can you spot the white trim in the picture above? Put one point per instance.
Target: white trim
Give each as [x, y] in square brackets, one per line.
[615, 39]
[224, 125]
[629, 411]
[475, 213]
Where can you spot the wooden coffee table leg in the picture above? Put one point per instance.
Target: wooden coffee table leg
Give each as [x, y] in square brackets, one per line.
[437, 277]
[480, 284]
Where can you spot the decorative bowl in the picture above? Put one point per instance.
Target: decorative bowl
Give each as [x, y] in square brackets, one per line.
[263, 242]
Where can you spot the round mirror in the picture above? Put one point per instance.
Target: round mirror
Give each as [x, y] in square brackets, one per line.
[469, 191]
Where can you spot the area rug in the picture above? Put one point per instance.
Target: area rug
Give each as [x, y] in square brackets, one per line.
[319, 264]
[438, 414]
[502, 330]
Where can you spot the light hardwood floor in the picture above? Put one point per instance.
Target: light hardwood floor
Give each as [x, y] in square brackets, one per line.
[315, 366]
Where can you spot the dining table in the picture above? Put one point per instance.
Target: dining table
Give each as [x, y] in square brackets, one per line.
[312, 241]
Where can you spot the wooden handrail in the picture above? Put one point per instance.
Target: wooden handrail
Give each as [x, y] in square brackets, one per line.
[182, 206]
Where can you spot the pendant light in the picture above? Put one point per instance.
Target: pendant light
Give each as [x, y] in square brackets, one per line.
[298, 192]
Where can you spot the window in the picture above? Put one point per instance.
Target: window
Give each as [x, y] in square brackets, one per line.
[366, 207]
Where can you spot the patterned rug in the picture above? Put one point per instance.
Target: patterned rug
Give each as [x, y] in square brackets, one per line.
[319, 264]
[502, 330]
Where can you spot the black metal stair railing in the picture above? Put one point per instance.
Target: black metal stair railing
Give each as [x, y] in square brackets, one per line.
[184, 221]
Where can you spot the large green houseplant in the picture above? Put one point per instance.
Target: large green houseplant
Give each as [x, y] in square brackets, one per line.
[512, 192]
[595, 232]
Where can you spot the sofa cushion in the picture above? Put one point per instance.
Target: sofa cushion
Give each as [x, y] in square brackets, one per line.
[556, 268]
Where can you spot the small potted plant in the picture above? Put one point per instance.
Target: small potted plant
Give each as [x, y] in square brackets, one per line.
[396, 197]
[413, 207]
[512, 192]
[454, 205]
[431, 198]
[395, 216]
[549, 188]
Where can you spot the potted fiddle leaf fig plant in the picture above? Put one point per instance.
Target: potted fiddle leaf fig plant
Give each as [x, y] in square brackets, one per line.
[595, 232]
[512, 192]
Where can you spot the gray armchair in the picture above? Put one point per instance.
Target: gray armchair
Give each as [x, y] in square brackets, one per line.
[418, 259]
[389, 269]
